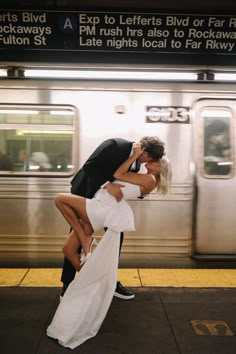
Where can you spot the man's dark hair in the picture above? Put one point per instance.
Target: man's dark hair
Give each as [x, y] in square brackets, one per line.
[153, 146]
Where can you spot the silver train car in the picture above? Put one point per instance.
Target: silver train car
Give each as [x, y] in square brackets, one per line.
[48, 128]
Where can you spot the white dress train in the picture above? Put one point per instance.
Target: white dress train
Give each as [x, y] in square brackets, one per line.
[87, 299]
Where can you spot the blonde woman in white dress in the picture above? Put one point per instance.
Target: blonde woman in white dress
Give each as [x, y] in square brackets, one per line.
[87, 299]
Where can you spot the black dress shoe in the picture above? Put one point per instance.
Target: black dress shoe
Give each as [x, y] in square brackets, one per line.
[122, 293]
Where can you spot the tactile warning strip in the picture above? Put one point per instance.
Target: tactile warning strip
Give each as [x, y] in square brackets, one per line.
[43, 277]
[188, 277]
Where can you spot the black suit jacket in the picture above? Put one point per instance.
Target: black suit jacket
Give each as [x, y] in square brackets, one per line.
[101, 166]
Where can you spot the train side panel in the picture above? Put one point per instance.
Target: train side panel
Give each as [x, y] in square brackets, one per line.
[32, 231]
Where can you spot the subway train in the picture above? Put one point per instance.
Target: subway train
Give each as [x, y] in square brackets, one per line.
[49, 127]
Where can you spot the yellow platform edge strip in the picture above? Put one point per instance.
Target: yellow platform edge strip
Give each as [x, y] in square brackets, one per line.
[50, 277]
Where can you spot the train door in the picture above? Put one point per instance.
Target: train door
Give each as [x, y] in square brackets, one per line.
[214, 140]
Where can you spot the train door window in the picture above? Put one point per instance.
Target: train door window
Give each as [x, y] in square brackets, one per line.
[36, 140]
[217, 149]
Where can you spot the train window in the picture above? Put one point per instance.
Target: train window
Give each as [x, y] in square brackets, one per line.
[36, 140]
[217, 146]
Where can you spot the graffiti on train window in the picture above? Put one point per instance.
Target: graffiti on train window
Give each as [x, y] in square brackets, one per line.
[36, 140]
[217, 146]
[173, 114]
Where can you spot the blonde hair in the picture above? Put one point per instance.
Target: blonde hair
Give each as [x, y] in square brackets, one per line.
[164, 176]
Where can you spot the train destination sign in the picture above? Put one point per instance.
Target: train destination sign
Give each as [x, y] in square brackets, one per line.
[77, 33]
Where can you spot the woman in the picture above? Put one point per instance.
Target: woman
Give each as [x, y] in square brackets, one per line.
[87, 299]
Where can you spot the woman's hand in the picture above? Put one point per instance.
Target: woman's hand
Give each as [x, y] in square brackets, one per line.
[115, 189]
[137, 150]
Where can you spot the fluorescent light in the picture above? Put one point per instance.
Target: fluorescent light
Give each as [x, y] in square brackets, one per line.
[18, 111]
[226, 163]
[68, 166]
[213, 113]
[3, 72]
[113, 75]
[62, 113]
[34, 167]
[225, 77]
[64, 132]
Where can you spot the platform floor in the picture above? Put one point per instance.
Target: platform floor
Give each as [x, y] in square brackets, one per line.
[175, 311]
[157, 321]
[162, 319]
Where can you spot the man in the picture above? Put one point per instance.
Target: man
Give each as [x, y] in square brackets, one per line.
[98, 172]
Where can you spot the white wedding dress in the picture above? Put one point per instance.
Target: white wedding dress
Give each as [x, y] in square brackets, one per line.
[88, 297]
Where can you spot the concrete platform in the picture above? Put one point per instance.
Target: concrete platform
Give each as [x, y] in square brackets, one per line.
[158, 321]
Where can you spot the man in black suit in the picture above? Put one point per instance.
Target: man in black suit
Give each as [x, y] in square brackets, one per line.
[98, 172]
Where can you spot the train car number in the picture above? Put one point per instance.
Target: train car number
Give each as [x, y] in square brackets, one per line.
[157, 114]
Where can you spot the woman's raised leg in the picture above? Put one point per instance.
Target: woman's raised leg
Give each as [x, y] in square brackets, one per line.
[73, 208]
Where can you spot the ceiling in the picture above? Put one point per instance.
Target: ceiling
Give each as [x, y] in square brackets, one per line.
[209, 6]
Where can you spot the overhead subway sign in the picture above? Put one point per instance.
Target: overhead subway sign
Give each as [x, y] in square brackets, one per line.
[104, 32]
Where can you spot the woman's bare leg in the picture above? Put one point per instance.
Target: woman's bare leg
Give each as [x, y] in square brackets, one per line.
[70, 250]
[73, 208]
[87, 227]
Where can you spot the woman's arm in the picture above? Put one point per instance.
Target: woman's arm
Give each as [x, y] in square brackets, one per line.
[124, 167]
[143, 180]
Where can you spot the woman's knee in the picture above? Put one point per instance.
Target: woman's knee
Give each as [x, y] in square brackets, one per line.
[58, 199]
[66, 250]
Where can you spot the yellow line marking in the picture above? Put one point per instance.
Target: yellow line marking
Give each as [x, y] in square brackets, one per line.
[12, 277]
[51, 277]
[129, 277]
[43, 277]
[188, 277]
